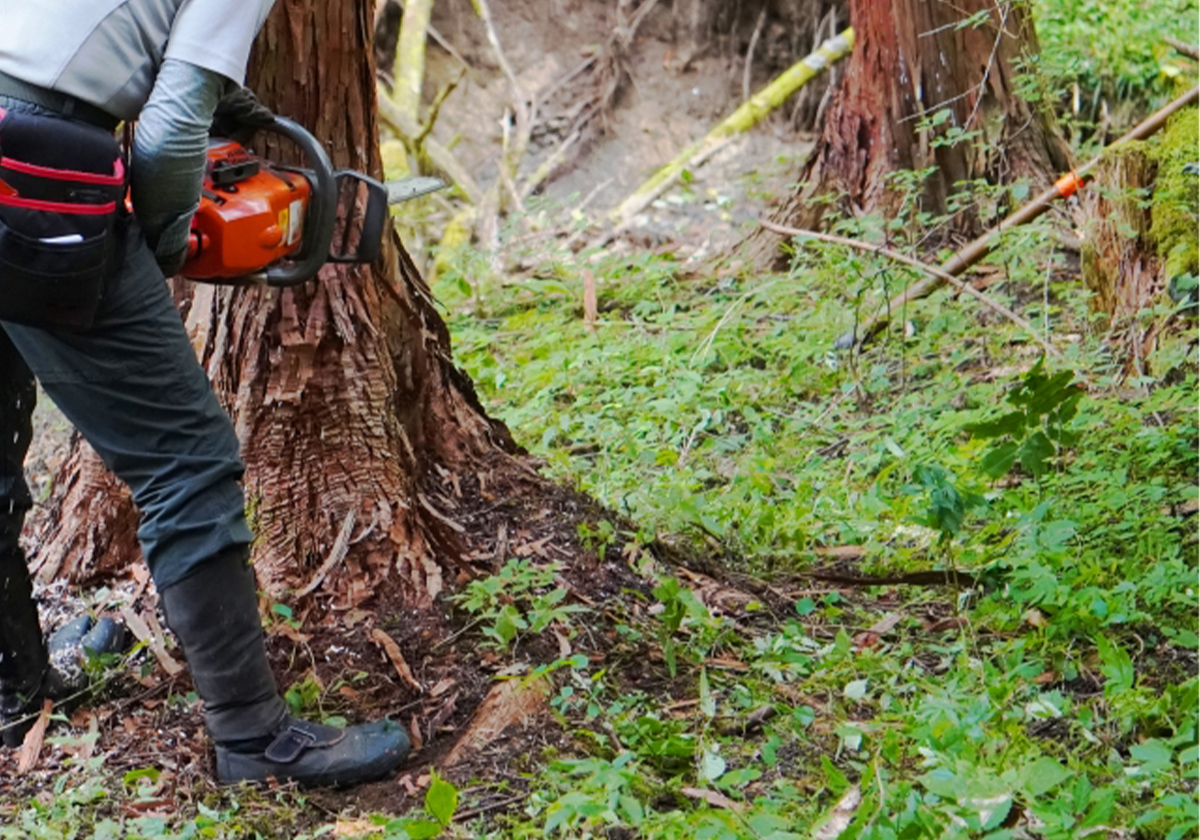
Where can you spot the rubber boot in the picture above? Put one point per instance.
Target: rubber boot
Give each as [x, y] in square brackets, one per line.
[32, 671]
[24, 660]
[214, 614]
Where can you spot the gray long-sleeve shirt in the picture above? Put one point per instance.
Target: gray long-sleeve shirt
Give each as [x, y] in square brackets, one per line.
[163, 62]
[169, 155]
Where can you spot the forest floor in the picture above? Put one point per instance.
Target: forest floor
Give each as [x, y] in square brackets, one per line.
[1050, 691]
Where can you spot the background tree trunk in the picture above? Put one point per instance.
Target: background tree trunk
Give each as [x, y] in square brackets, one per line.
[913, 59]
[354, 424]
[1139, 242]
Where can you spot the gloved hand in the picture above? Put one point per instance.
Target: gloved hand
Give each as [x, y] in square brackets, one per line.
[239, 115]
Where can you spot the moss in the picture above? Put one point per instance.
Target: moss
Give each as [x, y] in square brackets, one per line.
[1173, 228]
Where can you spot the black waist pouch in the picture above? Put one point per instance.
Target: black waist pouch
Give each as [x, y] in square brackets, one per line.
[62, 187]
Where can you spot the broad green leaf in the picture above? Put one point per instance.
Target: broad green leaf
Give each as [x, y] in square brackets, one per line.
[1042, 776]
[999, 460]
[441, 800]
[708, 704]
[1116, 666]
[837, 780]
[712, 766]
[421, 829]
[1012, 423]
[856, 690]
[1034, 452]
[1154, 755]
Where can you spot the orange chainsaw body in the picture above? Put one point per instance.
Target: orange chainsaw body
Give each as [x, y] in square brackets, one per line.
[251, 214]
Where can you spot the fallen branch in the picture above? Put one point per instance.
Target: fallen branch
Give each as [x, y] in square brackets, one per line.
[410, 57]
[142, 632]
[747, 115]
[1183, 49]
[949, 577]
[442, 157]
[975, 251]
[932, 271]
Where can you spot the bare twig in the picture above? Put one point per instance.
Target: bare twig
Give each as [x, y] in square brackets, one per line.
[341, 546]
[1184, 49]
[746, 72]
[141, 630]
[442, 157]
[435, 109]
[546, 169]
[933, 271]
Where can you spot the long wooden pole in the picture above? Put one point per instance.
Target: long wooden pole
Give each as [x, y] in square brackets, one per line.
[973, 252]
[747, 115]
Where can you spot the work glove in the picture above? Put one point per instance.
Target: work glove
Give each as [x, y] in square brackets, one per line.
[239, 115]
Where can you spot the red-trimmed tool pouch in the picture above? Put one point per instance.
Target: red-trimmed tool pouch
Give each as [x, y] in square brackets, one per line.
[61, 186]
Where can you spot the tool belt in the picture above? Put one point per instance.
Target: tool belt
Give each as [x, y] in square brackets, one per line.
[62, 189]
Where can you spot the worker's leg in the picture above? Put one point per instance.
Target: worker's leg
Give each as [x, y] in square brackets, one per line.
[23, 659]
[134, 389]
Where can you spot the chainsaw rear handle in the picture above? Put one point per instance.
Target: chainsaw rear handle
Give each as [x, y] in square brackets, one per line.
[319, 219]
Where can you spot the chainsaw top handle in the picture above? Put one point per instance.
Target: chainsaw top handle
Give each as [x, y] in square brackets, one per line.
[320, 216]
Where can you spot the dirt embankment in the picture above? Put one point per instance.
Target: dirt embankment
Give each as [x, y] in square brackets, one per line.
[686, 65]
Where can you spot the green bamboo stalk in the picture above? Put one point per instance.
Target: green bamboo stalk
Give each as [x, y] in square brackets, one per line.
[747, 115]
[410, 56]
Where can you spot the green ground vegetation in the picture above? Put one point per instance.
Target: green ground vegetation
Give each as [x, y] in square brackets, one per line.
[1057, 697]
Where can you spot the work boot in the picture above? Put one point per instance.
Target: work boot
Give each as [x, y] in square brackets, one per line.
[32, 671]
[214, 614]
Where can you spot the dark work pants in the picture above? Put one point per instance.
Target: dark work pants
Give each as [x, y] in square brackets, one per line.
[132, 386]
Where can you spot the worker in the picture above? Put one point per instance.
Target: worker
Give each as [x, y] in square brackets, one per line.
[85, 310]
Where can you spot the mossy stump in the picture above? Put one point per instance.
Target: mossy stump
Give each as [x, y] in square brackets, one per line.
[1141, 236]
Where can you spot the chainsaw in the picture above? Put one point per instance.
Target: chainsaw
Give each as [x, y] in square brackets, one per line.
[263, 223]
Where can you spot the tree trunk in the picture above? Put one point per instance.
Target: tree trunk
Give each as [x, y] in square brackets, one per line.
[923, 72]
[355, 426]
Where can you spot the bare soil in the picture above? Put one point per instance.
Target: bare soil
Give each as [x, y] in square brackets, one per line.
[675, 93]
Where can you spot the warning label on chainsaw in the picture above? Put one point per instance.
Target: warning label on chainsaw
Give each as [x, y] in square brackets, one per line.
[295, 221]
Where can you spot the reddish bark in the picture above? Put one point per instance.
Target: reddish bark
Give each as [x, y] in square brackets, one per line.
[343, 392]
[913, 59]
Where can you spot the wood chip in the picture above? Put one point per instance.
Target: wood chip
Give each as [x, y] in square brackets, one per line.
[141, 630]
[842, 552]
[591, 311]
[838, 819]
[356, 828]
[392, 650]
[31, 748]
[870, 638]
[513, 702]
[414, 731]
[443, 685]
[713, 798]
